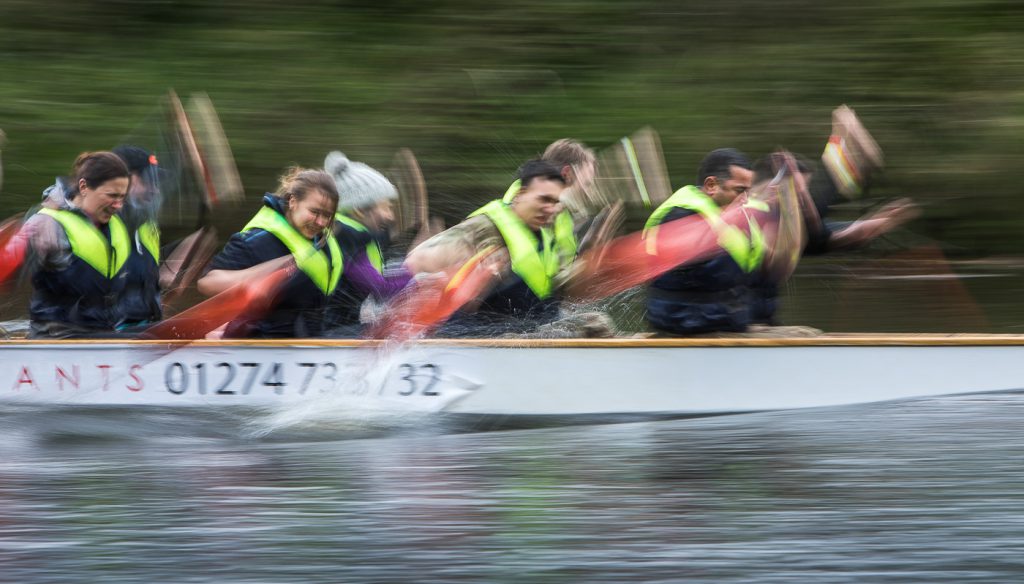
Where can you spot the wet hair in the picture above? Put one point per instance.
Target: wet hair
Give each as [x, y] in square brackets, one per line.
[96, 168]
[299, 182]
[718, 164]
[569, 152]
[538, 168]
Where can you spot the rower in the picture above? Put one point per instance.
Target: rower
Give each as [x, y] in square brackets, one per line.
[577, 165]
[850, 159]
[142, 287]
[79, 246]
[526, 292]
[294, 223]
[714, 295]
[361, 226]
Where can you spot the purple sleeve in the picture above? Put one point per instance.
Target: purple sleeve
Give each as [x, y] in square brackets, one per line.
[366, 279]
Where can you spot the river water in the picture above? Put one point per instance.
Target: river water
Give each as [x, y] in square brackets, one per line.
[928, 490]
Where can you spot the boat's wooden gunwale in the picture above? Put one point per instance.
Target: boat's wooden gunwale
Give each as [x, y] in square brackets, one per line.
[832, 340]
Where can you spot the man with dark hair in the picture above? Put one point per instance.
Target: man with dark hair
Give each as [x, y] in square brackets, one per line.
[526, 291]
[142, 285]
[713, 295]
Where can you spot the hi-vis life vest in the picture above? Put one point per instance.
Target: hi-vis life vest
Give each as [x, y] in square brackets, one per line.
[90, 245]
[535, 267]
[747, 252]
[563, 230]
[373, 251]
[148, 235]
[322, 270]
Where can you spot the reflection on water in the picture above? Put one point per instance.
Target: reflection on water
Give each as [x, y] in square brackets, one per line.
[926, 490]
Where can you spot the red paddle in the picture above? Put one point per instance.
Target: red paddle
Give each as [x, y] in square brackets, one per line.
[627, 261]
[428, 304]
[13, 247]
[248, 300]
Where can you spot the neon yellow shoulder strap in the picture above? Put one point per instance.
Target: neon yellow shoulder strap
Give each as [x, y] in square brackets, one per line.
[323, 271]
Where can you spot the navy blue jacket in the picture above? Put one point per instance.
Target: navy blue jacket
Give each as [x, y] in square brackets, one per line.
[715, 295]
[298, 308]
[141, 299]
[77, 295]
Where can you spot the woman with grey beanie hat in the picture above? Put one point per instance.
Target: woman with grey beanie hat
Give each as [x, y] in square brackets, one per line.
[364, 214]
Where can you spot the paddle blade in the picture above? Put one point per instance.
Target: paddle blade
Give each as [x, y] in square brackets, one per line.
[786, 233]
[247, 300]
[183, 265]
[631, 260]
[411, 211]
[632, 171]
[219, 173]
[13, 247]
[425, 306]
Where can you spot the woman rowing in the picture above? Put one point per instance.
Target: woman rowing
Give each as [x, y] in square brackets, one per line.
[364, 214]
[79, 248]
[293, 224]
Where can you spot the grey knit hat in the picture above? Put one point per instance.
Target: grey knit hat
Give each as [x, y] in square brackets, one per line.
[358, 185]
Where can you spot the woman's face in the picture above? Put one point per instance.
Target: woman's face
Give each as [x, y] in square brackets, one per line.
[312, 215]
[378, 217]
[104, 201]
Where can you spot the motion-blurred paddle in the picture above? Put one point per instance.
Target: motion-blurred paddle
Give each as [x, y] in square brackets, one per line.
[13, 246]
[432, 301]
[247, 300]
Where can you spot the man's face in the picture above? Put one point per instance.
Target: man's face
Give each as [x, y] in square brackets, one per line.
[725, 192]
[539, 202]
[141, 191]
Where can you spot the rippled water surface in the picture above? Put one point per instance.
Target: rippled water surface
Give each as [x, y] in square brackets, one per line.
[918, 491]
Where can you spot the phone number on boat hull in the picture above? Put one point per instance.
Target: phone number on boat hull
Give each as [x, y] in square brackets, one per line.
[243, 378]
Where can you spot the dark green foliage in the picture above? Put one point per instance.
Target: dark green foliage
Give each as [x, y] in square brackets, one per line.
[476, 89]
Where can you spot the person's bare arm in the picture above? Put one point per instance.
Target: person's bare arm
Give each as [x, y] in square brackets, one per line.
[217, 281]
[446, 250]
[883, 221]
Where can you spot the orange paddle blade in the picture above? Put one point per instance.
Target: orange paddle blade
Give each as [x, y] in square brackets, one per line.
[631, 260]
[248, 300]
[13, 247]
[429, 304]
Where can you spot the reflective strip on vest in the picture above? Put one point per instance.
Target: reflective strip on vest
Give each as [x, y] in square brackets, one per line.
[323, 271]
[536, 268]
[373, 251]
[149, 236]
[90, 245]
[747, 252]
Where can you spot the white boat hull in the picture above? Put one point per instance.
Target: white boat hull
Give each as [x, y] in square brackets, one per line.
[514, 378]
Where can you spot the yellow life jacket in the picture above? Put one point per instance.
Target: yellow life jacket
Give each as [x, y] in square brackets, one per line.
[747, 252]
[373, 251]
[324, 271]
[535, 266]
[90, 245]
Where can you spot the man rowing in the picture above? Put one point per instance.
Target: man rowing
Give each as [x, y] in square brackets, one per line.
[713, 295]
[142, 286]
[526, 291]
